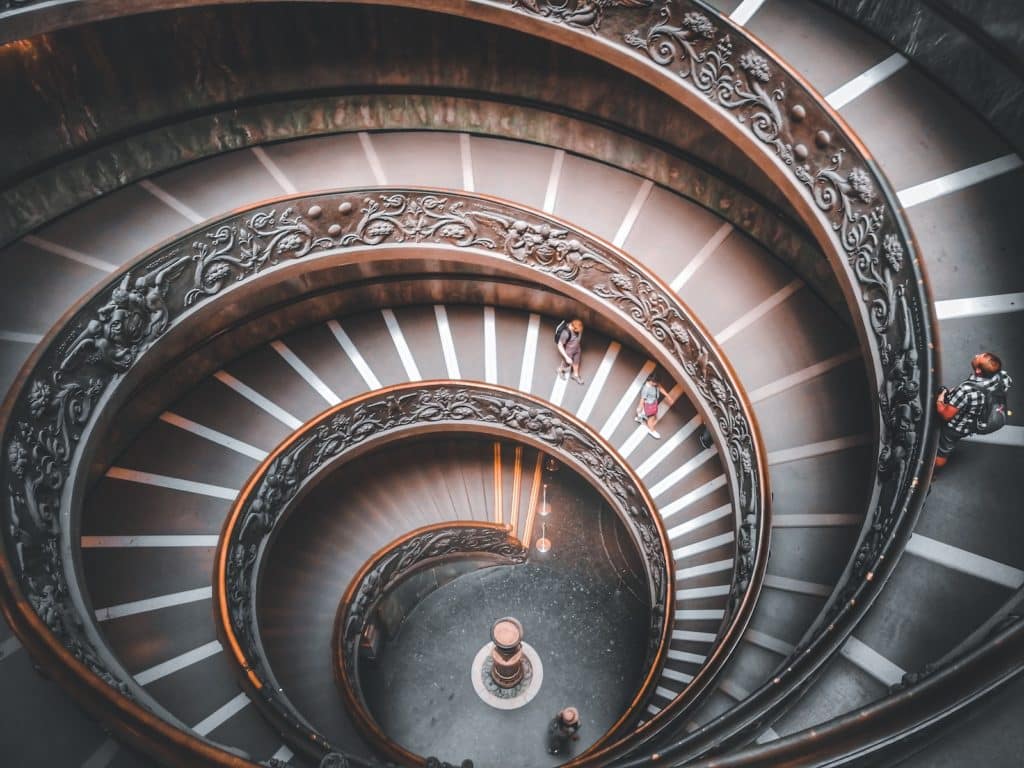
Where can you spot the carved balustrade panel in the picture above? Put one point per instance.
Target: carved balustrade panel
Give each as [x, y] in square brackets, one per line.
[384, 416]
[79, 367]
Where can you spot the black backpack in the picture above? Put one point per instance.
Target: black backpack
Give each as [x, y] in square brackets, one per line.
[993, 417]
[562, 326]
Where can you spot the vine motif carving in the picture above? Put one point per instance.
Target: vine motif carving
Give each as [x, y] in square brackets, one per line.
[578, 13]
[555, 251]
[402, 218]
[232, 252]
[867, 232]
[372, 418]
[399, 561]
[107, 337]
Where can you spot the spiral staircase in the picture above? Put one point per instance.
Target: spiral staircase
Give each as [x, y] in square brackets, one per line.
[883, 629]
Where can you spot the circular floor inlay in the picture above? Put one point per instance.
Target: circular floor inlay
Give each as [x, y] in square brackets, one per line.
[507, 698]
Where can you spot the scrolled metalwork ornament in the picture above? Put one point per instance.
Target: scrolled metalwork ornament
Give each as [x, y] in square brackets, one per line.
[125, 320]
[384, 572]
[390, 414]
[233, 252]
[868, 234]
[578, 13]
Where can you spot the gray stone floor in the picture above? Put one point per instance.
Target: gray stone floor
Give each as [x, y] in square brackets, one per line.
[583, 610]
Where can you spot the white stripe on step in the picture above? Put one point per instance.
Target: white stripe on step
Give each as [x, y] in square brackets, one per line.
[597, 382]
[179, 662]
[703, 570]
[700, 521]
[963, 561]
[305, 372]
[798, 586]
[103, 755]
[154, 603]
[979, 306]
[213, 436]
[1008, 435]
[444, 330]
[404, 353]
[372, 158]
[466, 157]
[212, 722]
[21, 338]
[176, 540]
[871, 661]
[753, 315]
[69, 253]
[804, 375]
[274, 170]
[670, 444]
[258, 400]
[693, 496]
[745, 11]
[554, 177]
[817, 449]
[490, 347]
[865, 81]
[675, 477]
[703, 546]
[171, 201]
[702, 255]
[173, 483]
[630, 218]
[529, 353]
[627, 402]
[953, 182]
[353, 354]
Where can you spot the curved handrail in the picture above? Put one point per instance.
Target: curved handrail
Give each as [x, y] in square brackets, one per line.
[927, 701]
[388, 567]
[88, 361]
[377, 418]
[986, 73]
[731, 80]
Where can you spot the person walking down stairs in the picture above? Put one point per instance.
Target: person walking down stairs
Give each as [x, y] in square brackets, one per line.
[976, 405]
[567, 338]
[651, 394]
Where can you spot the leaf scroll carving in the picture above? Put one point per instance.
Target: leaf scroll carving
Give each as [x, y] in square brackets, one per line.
[107, 337]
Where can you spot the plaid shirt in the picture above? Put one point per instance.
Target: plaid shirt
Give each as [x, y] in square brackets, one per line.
[968, 398]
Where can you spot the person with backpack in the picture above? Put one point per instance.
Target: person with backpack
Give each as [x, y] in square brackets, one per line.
[976, 405]
[567, 339]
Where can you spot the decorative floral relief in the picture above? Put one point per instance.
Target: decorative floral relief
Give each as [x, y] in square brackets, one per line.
[376, 417]
[110, 334]
[578, 13]
[231, 253]
[865, 230]
[397, 562]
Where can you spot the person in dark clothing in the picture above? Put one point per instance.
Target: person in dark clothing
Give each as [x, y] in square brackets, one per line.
[962, 406]
[563, 731]
[570, 349]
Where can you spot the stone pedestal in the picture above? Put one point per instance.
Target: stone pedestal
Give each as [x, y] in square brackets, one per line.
[507, 654]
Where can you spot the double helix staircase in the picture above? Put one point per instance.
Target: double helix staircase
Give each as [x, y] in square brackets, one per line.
[151, 521]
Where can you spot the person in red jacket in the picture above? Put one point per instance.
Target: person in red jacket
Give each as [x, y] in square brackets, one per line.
[961, 407]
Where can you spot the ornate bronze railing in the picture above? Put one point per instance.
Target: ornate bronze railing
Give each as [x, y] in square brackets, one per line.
[729, 79]
[923, 702]
[487, 544]
[376, 419]
[714, 68]
[164, 304]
